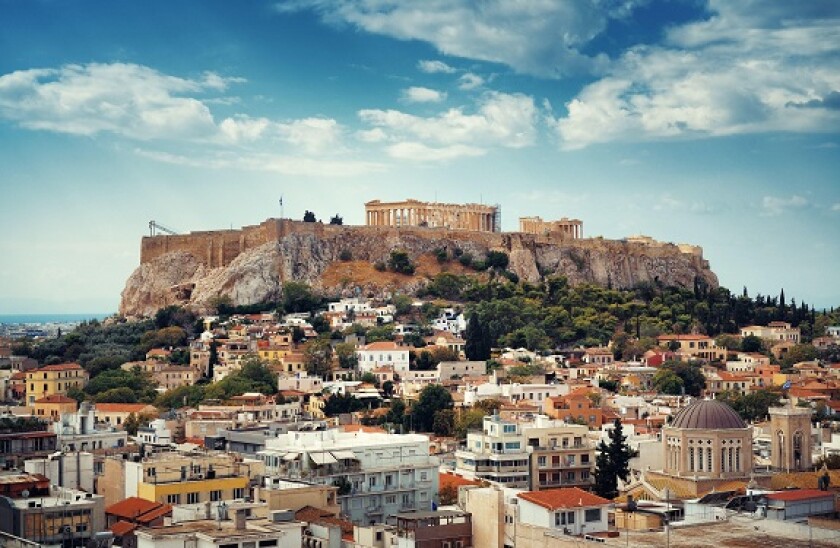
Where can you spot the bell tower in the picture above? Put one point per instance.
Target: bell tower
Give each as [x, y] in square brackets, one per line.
[790, 434]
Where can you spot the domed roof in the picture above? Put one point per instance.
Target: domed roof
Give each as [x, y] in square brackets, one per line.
[708, 415]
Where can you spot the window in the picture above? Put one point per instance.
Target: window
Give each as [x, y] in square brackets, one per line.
[267, 543]
[193, 498]
[512, 445]
[215, 496]
[570, 518]
[371, 481]
[391, 499]
[593, 514]
[541, 461]
[173, 499]
[423, 476]
[81, 527]
[584, 475]
[239, 493]
[510, 428]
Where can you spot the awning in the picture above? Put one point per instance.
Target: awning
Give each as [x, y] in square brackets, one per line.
[291, 456]
[345, 455]
[322, 458]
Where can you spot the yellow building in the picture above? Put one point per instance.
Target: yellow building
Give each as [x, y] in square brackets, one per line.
[175, 478]
[54, 406]
[273, 354]
[54, 379]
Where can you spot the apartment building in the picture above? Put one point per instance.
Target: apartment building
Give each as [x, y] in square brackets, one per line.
[54, 379]
[382, 353]
[774, 331]
[561, 454]
[378, 474]
[498, 453]
[693, 347]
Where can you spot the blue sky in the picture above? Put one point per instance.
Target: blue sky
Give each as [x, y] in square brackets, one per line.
[715, 123]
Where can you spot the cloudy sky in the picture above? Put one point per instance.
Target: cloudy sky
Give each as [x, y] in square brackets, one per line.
[715, 123]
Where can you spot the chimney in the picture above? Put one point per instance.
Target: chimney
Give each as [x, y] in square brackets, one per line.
[239, 519]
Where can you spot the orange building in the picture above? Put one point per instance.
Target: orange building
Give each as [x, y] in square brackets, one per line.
[574, 408]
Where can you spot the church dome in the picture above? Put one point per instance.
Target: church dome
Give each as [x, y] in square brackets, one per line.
[708, 415]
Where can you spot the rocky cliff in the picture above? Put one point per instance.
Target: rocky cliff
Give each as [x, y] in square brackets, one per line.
[250, 265]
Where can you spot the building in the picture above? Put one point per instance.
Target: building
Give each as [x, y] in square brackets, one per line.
[383, 353]
[24, 442]
[774, 331]
[378, 474]
[498, 454]
[230, 530]
[792, 445]
[155, 433]
[54, 379]
[79, 431]
[561, 454]
[707, 440]
[31, 508]
[70, 470]
[434, 529]
[52, 407]
[126, 515]
[576, 408]
[800, 504]
[180, 478]
[171, 377]
[280, 494]
[115, 414]
[564, 228]
[690, 347]
[476, 217]
[572, 511]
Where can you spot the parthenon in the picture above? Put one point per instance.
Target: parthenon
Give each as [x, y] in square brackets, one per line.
[565, 228]
[481, 218]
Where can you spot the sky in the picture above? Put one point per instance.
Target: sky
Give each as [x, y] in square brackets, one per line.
[712, 122]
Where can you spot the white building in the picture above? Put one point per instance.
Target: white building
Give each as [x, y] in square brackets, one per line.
[774, 331]
[536, 393]
[383, 353]
[155, 433]
[70, 470]
[498, 454]
[79, 431]
[301, 382]
[572, 511]
[377, 474]
[278, 531]
[451, 320]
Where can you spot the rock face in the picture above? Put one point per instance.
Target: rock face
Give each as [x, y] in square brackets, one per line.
[250, 265]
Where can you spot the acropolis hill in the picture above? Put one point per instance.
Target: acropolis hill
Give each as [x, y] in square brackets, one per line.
[249, 265]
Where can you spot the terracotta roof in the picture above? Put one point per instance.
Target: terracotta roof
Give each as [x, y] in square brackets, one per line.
[572, 497]
[121, 407]
[56, 398]
[708, 415]
[59, 367]
[688, 337]
[800, 494]
[451, 480]
[138, 510]
[122, 528]
[362, 428]
[311, 513]
[384, 345]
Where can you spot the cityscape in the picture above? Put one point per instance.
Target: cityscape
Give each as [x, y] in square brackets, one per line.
[315, 274]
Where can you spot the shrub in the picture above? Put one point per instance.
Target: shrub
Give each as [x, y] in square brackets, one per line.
[379, 266]
[345, 255]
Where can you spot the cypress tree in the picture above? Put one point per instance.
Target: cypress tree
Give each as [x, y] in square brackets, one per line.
[612, 462]
[474, 347]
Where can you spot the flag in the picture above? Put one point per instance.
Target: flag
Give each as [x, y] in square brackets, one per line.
[786, 385]
[281, 200]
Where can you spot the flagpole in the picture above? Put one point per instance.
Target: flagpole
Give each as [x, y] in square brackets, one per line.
[281, 206]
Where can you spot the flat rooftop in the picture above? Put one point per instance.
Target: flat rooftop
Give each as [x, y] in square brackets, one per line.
[220, 530]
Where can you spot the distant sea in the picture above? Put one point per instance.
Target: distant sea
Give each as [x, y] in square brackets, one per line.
[49, 318]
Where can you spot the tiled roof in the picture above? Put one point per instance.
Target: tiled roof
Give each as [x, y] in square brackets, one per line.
[451, 480]
[572, 497]
[122, 528]
[384, 345]
[56, 398]
[800, 494]
[121, 407]
[59, 367]
[138, 510]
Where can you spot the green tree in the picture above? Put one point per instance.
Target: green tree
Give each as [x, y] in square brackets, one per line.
[612, 462]
[183, 396]
[444, 422]
[799, 353]
[298, 297]
[131, 424]
[472, 419]
[751, 343]
[691, 376]
[123, 394]
[476, 347]
[317, 356]
[665, 381]
[346, 353]
[497, 260]
[433, 398]
[400, 263]
[388, 389]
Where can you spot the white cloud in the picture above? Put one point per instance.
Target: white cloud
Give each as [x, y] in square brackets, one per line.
[835, 207]
[470, 81]
[773, 205]
[375, 135]
[747, 69]
[422, 95]
[500, 120]
[130, 100]
[266, 162]
[312, 134]
[433, 67]
[542, 37]
[423, 153]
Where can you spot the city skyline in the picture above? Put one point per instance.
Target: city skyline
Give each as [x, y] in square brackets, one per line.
[695, 122]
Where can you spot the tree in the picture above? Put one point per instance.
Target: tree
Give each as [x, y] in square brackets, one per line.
[346, 353]
[612, 462]
[317, 356]
[444, 422]
[123, 394]
[131, 424]
[476, 347]
[388, 389]
[799, 353]
[691, 376]
[298, 297]
[667, 382]
[448, 495]
[497, 260]
[308, 217]
[433, 398]
[336, 220]
[400, 263]
[751, 343]
[472, 419]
